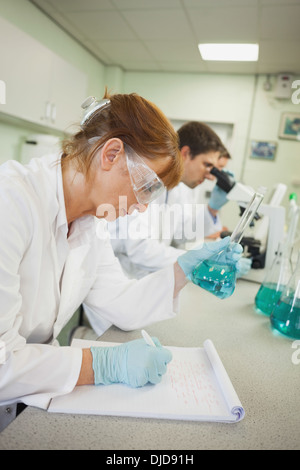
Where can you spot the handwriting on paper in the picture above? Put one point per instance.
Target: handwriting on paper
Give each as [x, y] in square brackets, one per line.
[193, 383]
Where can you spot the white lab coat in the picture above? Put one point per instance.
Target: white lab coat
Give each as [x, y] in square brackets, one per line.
[45, 276]
[154, 239]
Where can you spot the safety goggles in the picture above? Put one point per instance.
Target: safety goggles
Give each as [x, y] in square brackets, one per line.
[146, 185]
[90, 106]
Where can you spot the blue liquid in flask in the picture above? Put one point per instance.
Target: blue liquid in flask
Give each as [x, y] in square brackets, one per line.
[267, 297]
[219, 279]
[286, 318]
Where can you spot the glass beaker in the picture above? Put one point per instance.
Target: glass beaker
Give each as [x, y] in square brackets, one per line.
[286, 314]
[275, 280]
[218, 273]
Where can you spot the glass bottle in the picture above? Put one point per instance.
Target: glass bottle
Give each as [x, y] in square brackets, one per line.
[218, 273]
[275, 280]
[293, 217]
[286, 314]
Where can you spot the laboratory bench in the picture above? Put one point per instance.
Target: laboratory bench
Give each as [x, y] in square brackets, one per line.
[261, 364]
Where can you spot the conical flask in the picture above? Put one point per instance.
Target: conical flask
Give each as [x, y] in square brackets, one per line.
[218, 273]
[286, 314]
[275, 280]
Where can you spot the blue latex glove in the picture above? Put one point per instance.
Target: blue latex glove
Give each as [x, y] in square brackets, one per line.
[134, 363]
[218, 197]
[243, 266]
[189, 260]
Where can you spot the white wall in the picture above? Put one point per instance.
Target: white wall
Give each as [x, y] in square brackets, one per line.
[209, 98]
[265, 125]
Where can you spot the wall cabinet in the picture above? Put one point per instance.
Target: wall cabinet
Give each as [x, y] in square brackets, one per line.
[41, 87]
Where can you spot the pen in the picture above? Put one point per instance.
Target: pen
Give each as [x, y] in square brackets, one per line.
[147, 338]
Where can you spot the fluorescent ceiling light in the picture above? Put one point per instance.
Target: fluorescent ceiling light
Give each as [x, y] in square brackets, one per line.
[233, 52]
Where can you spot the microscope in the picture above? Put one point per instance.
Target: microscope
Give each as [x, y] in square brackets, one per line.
[269, 223]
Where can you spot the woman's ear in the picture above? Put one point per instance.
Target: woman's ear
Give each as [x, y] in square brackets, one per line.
[110, 153]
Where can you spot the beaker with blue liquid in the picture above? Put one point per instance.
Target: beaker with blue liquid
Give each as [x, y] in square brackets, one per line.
[275, 280]
[286, 314]
[218, 273]
[281, 270]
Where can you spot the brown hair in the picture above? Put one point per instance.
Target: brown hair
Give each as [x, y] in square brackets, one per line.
[139, 124]
[200, 138]
[225, 154]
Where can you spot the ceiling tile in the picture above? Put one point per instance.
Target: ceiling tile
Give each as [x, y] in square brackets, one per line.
[163, 34]
[105, 25]
[118, 51]
[279, 51]
[79, 5]
[159, 24]
[225, 24]
[280, 22]
[280, 2]
[72, 29]
[145, 4]
[218, 3]
[182, 66]
[139, 65]
[174, 50]
[98, 52]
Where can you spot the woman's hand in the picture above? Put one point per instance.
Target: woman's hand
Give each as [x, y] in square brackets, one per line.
[134, 363]
[189, 260]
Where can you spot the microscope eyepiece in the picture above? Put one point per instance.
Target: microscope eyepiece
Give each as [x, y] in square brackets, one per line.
[224, 180]
[214, 171]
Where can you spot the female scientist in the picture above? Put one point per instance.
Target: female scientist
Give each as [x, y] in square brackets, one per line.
[54, 256]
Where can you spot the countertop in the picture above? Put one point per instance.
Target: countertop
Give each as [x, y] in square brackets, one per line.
[258, 361]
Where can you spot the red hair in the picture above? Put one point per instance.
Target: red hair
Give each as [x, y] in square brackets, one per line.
[139, 124]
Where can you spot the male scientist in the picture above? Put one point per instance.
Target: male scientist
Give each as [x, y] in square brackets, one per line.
[150, 241]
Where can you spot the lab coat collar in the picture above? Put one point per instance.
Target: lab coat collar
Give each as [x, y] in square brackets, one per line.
[49, 184]
[80, 228]
[61, 219]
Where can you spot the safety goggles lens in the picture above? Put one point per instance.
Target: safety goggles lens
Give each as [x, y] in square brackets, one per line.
[146, 185]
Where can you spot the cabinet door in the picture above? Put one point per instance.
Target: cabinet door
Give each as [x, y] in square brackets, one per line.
[25, 68]
[40, 86]
[68, 91]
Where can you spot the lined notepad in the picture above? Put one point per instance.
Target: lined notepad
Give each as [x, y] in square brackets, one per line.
[196, 387]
